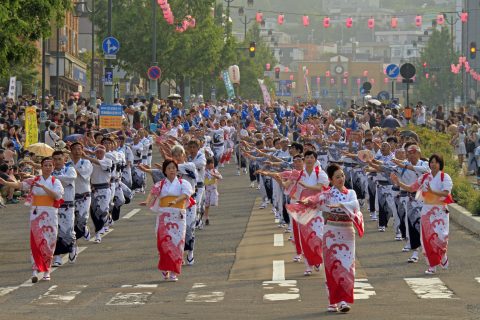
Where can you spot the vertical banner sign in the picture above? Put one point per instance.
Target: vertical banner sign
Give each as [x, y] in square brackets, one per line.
[31, 127]
[307, 85]
[12, 88]
[110, 116]
[228, 84]
[266, 95]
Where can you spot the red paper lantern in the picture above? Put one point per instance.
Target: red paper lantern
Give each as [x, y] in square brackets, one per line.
[385, 80]
[394, 22]
[291, 77]
[281, 19]
[267, 66]
[427, 75]
[326, 22]
[365, 73]
[440, 19]
[345, 74]
[259, 17]
[464, 16]
[287, 70]
[332, 81]
[344, 81]
[349, 22]
[306, 21]
[418, 21]
[327, 74]
[371, 23]
[359, 81]
[318, 81]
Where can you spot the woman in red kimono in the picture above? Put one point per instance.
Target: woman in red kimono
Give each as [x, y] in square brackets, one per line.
[341, 212]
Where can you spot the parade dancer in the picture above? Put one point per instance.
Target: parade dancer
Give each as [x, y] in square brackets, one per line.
[188, 172]
[198, 158]
[169, 198]
[409, 206]
[101, 193]
[138, 177]
[66, 240]
[44, 199]
[83, 191]
[218, 142]
[435, 190]
[127, 169]
[211, 188]
[342, 214]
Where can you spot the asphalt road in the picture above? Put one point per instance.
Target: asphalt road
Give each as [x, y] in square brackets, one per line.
[243, 270]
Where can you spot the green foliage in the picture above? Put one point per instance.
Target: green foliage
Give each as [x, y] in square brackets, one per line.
[26, 74]
[463, 191]
[22, 23]
[442, 84]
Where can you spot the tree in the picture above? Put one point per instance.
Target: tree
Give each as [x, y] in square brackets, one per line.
[23, 23]
[441, 85]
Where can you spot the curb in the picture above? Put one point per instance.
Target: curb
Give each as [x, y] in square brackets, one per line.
[464, 218]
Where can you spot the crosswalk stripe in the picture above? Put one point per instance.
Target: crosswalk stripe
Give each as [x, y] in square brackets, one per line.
[132, 298]
[478, 279]
[363, 290]
[131, 213]
[54, 297]
[430, 288]
[104, 235]
[199, 293]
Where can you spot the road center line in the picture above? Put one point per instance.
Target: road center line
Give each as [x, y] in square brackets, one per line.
[278, 270]
[131, 213]
[278, 240]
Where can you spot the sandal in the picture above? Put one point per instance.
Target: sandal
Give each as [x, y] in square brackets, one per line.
[430, 271]
[412, 260]
[296, 259]
[317, 267]
[165, 275]
[46, 278]
[332, 308]
[307, 273]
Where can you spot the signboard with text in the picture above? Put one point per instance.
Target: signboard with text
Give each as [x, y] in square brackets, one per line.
[110, 116]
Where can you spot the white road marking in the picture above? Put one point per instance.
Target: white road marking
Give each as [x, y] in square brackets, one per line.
[129, 299]
[277, 220]
[202, 295]
[140, 286]
[51, 297]
[478, 279]
[28, 283]
[278, 240]
[278, 270]
[363, 290]
[284, 290]
[131, 213]
[430, 288]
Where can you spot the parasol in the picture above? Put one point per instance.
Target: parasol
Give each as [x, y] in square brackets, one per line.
[41, 149]
[175, 96]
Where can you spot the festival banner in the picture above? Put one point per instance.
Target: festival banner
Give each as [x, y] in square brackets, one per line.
[266, 95]
[228, 84]
[307, 85]
[12, 88]
[110, 116]
[31, 127]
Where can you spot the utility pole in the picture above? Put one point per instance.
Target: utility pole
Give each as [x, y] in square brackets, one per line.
[93, 93]
[154, 83]
[109, 69]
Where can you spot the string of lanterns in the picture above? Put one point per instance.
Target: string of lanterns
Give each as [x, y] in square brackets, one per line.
[440, 19]
[188, 22]
[463, 62]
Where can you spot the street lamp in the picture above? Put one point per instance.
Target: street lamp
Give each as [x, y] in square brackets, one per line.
[60, 42]
[245, 21]
[240, 13]
[82, 9]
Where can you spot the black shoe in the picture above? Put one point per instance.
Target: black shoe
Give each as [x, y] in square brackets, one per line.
[207, 223]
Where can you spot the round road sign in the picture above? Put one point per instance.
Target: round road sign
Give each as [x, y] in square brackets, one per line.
[367, 86]
[407, 70]
[154, 73]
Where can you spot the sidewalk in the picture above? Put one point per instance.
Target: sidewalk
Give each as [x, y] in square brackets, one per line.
[464, 218]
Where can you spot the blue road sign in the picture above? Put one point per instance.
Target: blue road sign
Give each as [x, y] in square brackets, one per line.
[383, 95]
[110, 46]
[392, 71]
[325, 92]
[108, 80]
[362, 91]
[339, 102]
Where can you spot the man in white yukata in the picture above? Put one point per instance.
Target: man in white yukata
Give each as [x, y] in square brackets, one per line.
[101, 193]
[66, 240]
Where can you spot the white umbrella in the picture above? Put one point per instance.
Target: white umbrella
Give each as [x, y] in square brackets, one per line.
[174, 96]
[375, 102]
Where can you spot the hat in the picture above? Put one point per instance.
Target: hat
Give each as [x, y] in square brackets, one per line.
[413, 147]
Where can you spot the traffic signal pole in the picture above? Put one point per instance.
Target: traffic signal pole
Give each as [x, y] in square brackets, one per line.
[109, 86]
[153, 84]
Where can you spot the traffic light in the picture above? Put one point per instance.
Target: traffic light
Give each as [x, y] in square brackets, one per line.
[473, 50]
[252, 49]
[277, 73]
